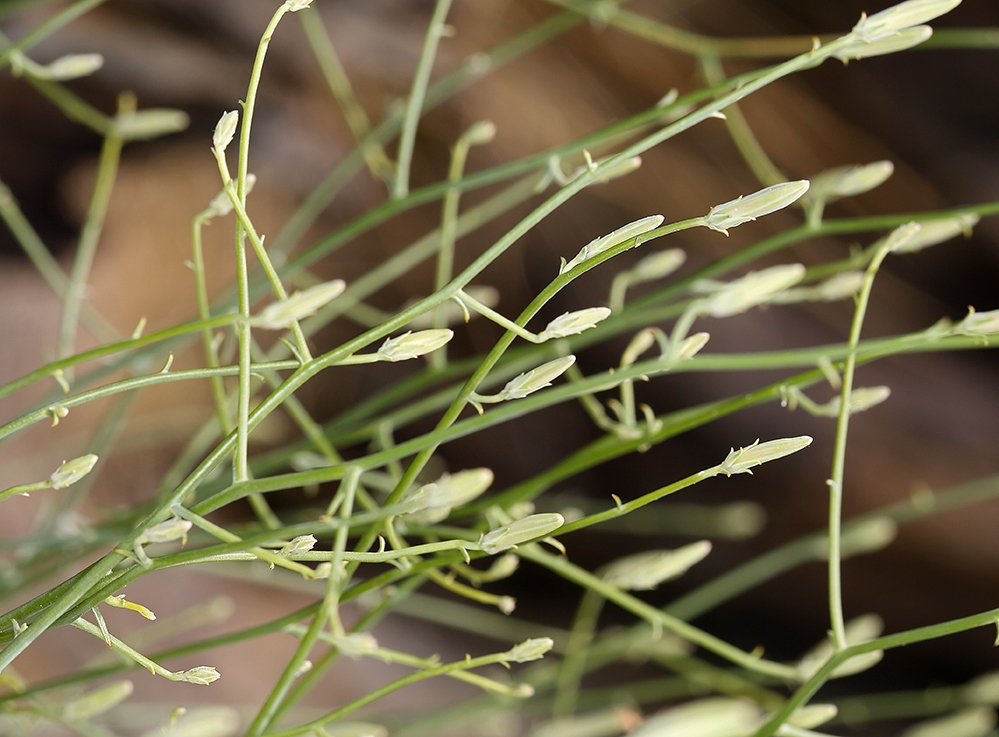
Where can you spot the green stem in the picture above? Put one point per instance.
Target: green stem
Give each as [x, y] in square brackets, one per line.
[417, 93]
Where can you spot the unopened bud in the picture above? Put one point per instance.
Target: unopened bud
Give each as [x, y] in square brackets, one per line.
[535, 379]
[225, 129]
[294, 6]
[300, 305]
[858, 631]
[692, 345]
[528, 650]
[899, 17]
[168, 530]
[658, 265]
[970, 722]
[890, 44]
[603, 243]
[742, 210]
[751, 290]
[72, 471]
[480, 133]
[708, 717]
[846, 181]
[96, 702]
[519, 531]
[740, 461]
[978, 323]
[411, 345]
[301, 544]
[573, 323]
[151, 123]
[449, 491]
[71, 66]
[983, 689]
[645, 571]
[932, 232]
[202, 675]
[810, 716]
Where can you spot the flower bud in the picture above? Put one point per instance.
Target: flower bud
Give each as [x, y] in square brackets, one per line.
[449, 491]
[970, 722]
[96, 702]
[300, 305]
[151, 123]
[645, 571]
[480, 133]
[167, 530]
[709, 717]
[538, 378]
[356, 644]
[691, 346]
[72, 471]
[978, 323]
[71, 66]
[301, 544]
[932, 232]
[751, 290]
[901, 16]
[603, 243]
[202, 675]
[983, 689]
[519, 531]
[294, 6]
[858, 631]
[225, 129]
[411, 345]
[810, 716]
[528, 650]
[742, 210]
[740, 461]
[658, 265]
[573, 323]
[890, 44]
[846, 181]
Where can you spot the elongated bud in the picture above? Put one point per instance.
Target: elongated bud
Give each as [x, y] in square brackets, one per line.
[601, 244]
[708, 717]
[480, 133]
[751, 290]
[96, 702]
[839, 286]
[847, 181]
[535, 379]
[519, 531]
[301, 544]
[658, 265]
[72, 471]
[151, 123]
[572, 323]
[449, 491]
[692, 345]
[740, 461]
[742, 210]
[969, 722]
[528, 650]
[221, 205]
[225, 129]
[983, 689]
[71, 66]
[356, 644]
[410, 345]
[899, 17]
[202, 675]
[168, 530]
[645, 571]
[810, 716]
[932, 232]
[294, 6]
[300, 305]
[978, 323]
[890, 44]
[858, 631]
[898, 239]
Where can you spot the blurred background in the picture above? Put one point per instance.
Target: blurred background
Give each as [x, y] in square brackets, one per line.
[932, 112]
